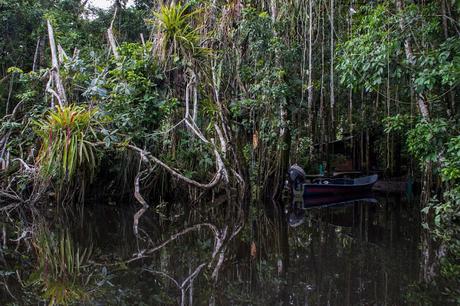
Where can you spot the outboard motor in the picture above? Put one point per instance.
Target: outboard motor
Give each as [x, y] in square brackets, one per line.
[296, 175]
[296, 178]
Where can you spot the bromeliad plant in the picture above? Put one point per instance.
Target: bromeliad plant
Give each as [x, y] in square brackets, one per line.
[65, 135]
[60, 267]
[176, 36]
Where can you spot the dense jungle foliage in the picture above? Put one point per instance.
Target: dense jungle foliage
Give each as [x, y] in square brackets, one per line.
[173, 102]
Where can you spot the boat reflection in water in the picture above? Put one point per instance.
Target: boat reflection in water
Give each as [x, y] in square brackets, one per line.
[345, 249]
[297, 211]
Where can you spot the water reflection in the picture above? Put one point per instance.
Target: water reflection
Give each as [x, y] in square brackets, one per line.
[355, 250]
[297, 211]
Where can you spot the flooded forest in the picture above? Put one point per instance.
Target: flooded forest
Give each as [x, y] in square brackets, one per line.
[229, 152]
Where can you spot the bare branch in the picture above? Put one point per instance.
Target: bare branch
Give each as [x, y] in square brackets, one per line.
[55, 69]
[217, 177]
[164, 275]
[111, 37]
[61, 54]
[191, 277]
[36, 54]
[25, 165]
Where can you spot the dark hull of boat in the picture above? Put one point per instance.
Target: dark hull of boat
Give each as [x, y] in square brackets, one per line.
[296, 214]
[337, 199]
[316, 190]
[342, 187]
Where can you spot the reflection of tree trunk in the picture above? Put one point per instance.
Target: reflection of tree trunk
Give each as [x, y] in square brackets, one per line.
[320, 261]
[428, 264]
[397, 217]
[284, 237]
[318, 270]
[284, 264]
[349, 282]
[361, 221]
[366, 223]
[329, 289]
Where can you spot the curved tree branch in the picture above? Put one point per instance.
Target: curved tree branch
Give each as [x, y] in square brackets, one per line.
[215, 180]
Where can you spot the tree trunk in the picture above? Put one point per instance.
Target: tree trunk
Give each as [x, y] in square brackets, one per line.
[284, 133]
[111, 37]
[421, 103]
[310, 69]
[451, 96]
[331, 84]
[321, 98]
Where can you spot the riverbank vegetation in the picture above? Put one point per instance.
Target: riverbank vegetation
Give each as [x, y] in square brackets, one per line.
[197, 108]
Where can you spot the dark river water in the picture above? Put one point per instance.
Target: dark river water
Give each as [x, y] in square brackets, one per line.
[358, 252]
[362, 252]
